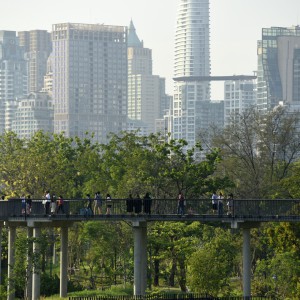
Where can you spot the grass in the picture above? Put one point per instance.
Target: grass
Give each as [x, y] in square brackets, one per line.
[113, 291]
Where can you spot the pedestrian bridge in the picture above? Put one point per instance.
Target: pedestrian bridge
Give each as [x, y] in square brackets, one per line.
[243, 213]
[242, 210]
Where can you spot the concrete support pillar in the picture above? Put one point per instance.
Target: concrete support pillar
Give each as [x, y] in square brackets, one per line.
[36, 272]
[0, 253]
[11, 262]
[140, 257]
[246, 264]
[29, 264]
[64, 262]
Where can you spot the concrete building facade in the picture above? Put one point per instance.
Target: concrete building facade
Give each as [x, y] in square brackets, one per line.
[146, 92]
[13, 72]
[31, 114]
[239, 95]
[89, 79]
[37, 47]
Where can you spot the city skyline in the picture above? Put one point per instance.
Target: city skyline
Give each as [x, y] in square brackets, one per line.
[235, 27]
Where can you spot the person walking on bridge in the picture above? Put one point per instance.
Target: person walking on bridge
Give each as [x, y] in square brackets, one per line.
[220, 204]
[108, 204]
[230, 204]
[180, 204]
[97, 203]
[46, 203]
[214, 201]
[60, 205]
[147, 204]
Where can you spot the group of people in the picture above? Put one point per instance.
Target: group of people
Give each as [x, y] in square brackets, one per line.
[52, 204]
[94, 206]
[26, 203]
[138, 205]
[218, 202]
[134, 205]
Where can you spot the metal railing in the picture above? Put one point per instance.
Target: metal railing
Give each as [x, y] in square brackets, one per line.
[241, 208]
[187, 296]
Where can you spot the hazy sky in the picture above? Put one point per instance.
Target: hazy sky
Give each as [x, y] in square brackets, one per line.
[235, 26]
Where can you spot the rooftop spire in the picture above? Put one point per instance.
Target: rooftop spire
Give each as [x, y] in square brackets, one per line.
[133, 39]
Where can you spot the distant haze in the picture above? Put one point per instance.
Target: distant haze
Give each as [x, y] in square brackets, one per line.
[235, 26]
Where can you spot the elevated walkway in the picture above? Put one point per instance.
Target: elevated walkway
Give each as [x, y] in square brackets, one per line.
[243, 210]
[244, 214]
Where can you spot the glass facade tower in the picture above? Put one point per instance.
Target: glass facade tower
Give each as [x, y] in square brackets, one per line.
[278, 67]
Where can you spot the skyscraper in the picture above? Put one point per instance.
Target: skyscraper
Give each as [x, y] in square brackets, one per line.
[146, 92]
[192, 60]
[278, 74]
[239, 95]
[31, 114]
[89, 79]
[37, 46]
[13, 73]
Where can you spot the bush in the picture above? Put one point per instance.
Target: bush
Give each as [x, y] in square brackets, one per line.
[49, 285]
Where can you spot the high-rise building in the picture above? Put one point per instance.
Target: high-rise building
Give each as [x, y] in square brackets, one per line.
[48, 78]
[146, 92]
[37, 46]
[239, 95]
[192, 61]
[89, 79]
[31, 114]
[13, 72]
[278, 74]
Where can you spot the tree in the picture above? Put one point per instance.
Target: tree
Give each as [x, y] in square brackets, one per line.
[278, 276]
[171, 244]
[212, 265]
[151, 164]
[258, 151]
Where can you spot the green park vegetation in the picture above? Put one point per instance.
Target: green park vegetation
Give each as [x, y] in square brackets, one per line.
[254, 157]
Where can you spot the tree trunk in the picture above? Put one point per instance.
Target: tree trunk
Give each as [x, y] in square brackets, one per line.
[156, 272]
[182, 275]
[172, 274]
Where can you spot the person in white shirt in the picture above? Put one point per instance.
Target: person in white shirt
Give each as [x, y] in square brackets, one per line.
[214, 202]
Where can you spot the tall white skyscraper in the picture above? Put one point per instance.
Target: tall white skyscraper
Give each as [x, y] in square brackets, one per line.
[192, 63]
[89, 79]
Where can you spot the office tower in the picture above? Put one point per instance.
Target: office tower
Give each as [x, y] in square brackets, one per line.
[238, 96]
[89, 79]
[278, 74]
[37, 46]
[146, 92]
[48, 78]
[31, 114]
[192, 61]
[13, 72]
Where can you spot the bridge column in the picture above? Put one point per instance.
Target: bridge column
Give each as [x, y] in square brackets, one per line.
[140, 257]
[0, 253]
[246, 264]
[11, 262]
[36, 272]
[29, 265]
[64, 262]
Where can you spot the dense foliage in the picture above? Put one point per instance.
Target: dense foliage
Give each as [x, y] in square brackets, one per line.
[254, 157]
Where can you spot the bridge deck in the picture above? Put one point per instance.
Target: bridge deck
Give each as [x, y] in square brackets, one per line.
[161, 210]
